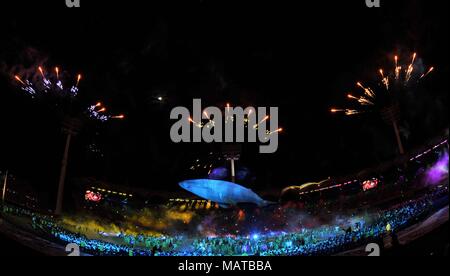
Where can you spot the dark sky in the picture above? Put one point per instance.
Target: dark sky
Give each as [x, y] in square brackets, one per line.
[303, 59]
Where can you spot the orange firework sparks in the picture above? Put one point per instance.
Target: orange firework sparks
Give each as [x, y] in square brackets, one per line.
[397, 68]
[361, 100]
[410, 69]
[385, 79]
[276, 131]
[414, 58]
[402, 74]
[199, 125]
[262, 121]
[19, 79]
[347, 112]
[367, 90]
[41, 71]
[427, 73]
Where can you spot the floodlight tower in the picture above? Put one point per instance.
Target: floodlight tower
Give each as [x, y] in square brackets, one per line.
[391, 116]
[71, 127]
[232, 153]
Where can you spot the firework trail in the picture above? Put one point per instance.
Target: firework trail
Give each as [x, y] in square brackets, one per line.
[262, 121]
[269, 133]
[385, 80]
[427, 73]
[26, 86]
[410, 69]
[199, 125]
[348, 112]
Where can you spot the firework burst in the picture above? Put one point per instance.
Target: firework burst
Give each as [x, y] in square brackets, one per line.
[99, 112]
[48, 82]
[51, 82]
[401, 77]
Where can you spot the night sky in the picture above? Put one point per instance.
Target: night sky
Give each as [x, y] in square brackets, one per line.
[303, 59]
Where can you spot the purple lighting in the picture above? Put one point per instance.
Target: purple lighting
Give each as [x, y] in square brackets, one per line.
[439, 171]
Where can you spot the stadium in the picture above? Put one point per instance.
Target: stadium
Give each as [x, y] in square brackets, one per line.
[342, 149]
[331, 217]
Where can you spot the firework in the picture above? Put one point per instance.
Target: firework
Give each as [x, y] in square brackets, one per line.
[211, 123]
[367, 90]
[227, 116]
[427, 73]
[347, 112]
[262, 121]
[51, 82]
[120, 117]
[398, 78]
[397, 68]
[74, 89]
[269, 133]
[410, 69]
[59, 83]
[19, 80]
[48, 82]
[98, 112]
[361, 100]
[385, 80]
[274, 131]
[26, 86]
[199, 125]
